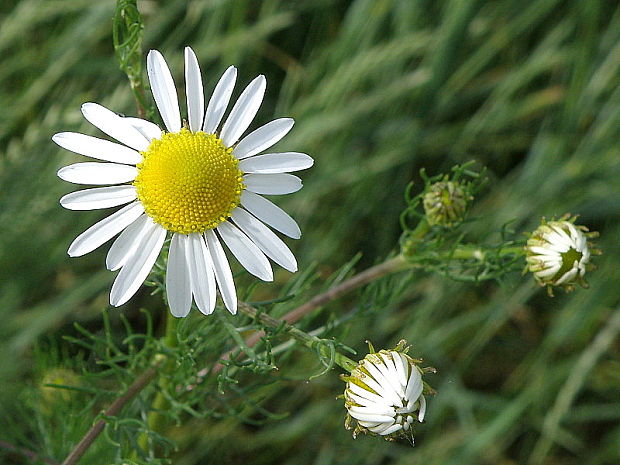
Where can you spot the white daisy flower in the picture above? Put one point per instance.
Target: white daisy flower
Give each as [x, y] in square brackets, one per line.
[558, 254]
[201, 183]
[384, 395]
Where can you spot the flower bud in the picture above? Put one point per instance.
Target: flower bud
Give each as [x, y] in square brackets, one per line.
[384, 394]
[445, 203]
[558, 254]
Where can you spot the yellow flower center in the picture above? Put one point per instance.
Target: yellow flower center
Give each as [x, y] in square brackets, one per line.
[188, 182]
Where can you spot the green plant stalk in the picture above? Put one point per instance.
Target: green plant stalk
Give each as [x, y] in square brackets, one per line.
[155, 420]
[468, 252]
[412, 238]
[312, 342]
[140, 383]
[127, 32]
[392, 265]
[389, 266]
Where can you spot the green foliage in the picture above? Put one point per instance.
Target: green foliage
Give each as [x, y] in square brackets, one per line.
[379, 89]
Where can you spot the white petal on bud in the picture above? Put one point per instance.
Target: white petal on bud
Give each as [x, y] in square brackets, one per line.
[557, 253]
[384, 393]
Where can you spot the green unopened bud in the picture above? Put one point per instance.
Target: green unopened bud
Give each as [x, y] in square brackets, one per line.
[445, 203]
[558, 254]
[384, 395]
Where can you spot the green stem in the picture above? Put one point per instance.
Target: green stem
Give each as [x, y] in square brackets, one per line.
[155, 420]
[127, 32]
[170, 338]
[140, 383]
[312, 342]
[468, 252]
[412, 239]
[392, 265]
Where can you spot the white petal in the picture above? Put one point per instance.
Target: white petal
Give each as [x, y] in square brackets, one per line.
[350, 396]
[146, 128]
[422, 412]
[563, 235]
[375, 417]
[272, 184]
[201, 273]
[98, 197]
[265, 239]
[385, 432]
[244, 111]
[379, 428]
[568, 276]
[97, 148]
[101, 232]
[402, 367]
[223, 274]
[370, 424]
[548, 272]
[97, 173]
[127, 243]
[248, 254]
[272, 163]
[219, 100]
[193, 91]
[270, 214]
[263, 137]
[178, 287]
[364, 401]
[391, 375]
[376, 409]
[414, 385]
[365, 394]
[163, 89]
[114, 126]
[138, 267]
[544, 251]
[381, 385]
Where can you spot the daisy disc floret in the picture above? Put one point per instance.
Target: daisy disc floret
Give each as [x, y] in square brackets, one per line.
[202, 183]
[384, 394]
[189, 181]
[558, 254]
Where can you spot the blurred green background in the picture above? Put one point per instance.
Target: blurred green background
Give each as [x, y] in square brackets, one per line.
[378, 89]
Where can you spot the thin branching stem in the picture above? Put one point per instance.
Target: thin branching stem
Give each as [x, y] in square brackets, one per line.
[390, 266]
[306, 339]
[138, 385]
[155, 420]
[393, 265]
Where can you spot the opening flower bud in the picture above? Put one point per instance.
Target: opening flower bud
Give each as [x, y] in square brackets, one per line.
[445, 203]
[558, 254]
[384, 395]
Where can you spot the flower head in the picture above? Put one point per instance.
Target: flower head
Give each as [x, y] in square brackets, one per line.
[384, 394]
[200, 183]
[445, 203]
[558, 253]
